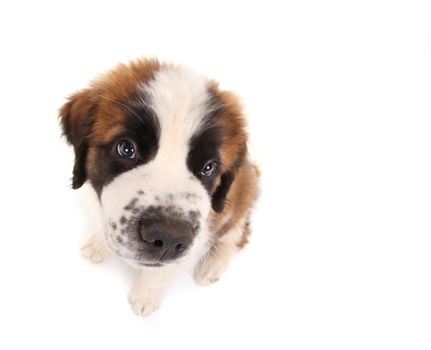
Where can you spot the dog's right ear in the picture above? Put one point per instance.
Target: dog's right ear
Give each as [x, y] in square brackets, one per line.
[76, 117]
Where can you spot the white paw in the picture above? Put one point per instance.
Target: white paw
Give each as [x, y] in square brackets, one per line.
[143, 306]
[210, 269]
[95, 249]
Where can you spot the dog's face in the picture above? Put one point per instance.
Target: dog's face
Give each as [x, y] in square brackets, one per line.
[160, 145]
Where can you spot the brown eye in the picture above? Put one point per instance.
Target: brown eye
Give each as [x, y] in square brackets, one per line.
[126, 149]
[209, 168]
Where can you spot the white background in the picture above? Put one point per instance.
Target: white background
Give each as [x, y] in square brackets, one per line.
[338, 99]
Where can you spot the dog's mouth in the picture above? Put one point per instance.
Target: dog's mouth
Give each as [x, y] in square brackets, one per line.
[149, 264]
[138, 262]
[143, 263]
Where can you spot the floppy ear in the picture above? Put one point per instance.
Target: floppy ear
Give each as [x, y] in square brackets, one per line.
[219, 196]
[233, 151]
[76, 121]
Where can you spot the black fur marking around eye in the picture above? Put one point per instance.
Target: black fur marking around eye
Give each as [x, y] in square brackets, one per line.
[141, 126]
[205, 145]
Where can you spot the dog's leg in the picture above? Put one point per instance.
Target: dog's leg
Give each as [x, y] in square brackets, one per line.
[95, 248]
[215, 263]
[148, 290]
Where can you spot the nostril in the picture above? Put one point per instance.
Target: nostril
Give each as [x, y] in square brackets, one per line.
[158, 243]
[179, 247]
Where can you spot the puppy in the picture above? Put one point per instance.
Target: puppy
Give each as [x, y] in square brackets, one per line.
[166, 152]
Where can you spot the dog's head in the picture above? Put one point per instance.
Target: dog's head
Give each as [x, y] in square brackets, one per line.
[160, 145]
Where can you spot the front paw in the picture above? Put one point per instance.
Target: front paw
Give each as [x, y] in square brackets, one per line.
[95, 249]
[143, 306]
[210, 269]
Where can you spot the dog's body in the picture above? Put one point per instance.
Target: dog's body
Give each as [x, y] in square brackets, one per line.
[166, 152]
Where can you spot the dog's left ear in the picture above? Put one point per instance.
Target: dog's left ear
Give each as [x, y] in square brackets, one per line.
[76, 117]
[219, 196]
[233, 151]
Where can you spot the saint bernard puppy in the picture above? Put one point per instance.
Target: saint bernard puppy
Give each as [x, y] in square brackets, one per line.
[166, 152]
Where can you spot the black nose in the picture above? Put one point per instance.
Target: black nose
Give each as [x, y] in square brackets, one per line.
[165, 238]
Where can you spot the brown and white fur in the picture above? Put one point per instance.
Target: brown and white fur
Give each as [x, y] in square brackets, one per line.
[166, 152]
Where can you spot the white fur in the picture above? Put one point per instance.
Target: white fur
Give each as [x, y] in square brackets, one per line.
[150, 286]
[95, 248]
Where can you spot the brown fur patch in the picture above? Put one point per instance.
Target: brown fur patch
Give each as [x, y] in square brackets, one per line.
[102, 102]
[120, 83]
[74, 115]
[231, 120]
[113, 90]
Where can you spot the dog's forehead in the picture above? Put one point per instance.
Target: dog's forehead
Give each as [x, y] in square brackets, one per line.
[173, 97]
[178, 96]
[174, 101]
